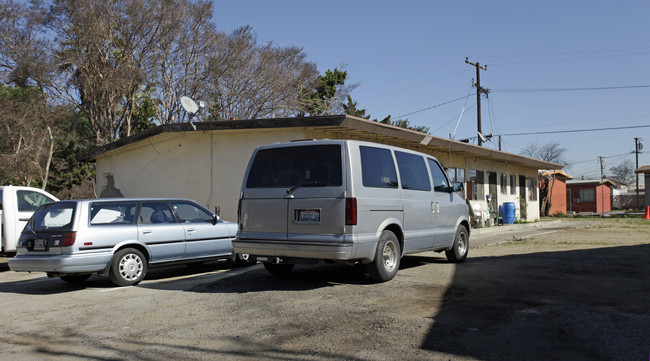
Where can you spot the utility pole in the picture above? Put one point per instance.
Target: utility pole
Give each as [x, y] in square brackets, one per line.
[478, 96]
[637, 147]
[602, 189]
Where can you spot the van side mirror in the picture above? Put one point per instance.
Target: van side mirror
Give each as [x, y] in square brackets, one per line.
[458, 187]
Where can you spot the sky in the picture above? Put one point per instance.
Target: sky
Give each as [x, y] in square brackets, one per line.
[553, 67]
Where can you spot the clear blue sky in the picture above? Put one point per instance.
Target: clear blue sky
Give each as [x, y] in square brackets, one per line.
[408, 56]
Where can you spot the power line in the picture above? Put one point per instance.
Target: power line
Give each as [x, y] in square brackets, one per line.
[576, 130]
[431, 107]
[567, 89]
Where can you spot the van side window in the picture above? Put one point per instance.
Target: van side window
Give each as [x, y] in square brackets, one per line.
[413, 171]
[440, 182]
[377, 168]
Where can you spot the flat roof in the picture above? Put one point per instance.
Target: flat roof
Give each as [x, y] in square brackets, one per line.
[345, 127]
[644, 169]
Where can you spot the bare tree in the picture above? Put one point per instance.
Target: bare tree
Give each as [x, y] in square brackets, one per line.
[624, 172]
[254, 81]
[549, 152]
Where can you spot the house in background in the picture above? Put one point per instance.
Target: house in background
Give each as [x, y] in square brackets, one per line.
[553, 192]
[207, 163]
[645, 170]
[590, 195]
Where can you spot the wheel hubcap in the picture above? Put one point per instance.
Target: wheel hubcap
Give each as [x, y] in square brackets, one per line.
[389, 256]
[130, 267]
[462, 244]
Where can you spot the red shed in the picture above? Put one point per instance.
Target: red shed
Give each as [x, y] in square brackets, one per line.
[590, 195]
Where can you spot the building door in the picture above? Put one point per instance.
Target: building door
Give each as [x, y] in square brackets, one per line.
[494, 201]
[568, 200]
[523, 200]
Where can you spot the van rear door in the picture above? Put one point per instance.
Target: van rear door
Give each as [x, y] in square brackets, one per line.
[296, 190]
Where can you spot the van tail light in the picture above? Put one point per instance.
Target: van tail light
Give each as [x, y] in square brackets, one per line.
[68, 239]
[350, 211]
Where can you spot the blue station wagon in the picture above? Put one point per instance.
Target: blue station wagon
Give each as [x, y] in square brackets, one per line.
[121, 238]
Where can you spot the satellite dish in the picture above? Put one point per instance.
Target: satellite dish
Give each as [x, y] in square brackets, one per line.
[189, 105]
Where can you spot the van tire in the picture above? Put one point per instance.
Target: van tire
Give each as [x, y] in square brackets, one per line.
[128, 267]
[387, 258]
[279, 269]
[76, 279]
[458, 252]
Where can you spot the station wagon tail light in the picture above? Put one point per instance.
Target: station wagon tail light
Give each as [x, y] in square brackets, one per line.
[350, 211]
[68, 239]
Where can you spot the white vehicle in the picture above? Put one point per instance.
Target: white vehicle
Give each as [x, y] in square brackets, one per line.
[348, 201]
[17, 204]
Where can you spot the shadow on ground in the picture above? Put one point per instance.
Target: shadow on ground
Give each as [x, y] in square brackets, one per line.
[575, 305]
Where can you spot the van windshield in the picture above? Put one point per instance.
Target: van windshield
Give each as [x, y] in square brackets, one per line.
[316, 165]
[53, 216]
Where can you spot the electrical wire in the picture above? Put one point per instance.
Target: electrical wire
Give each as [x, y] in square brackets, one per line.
[576, 130]
[433, 106]
[567, 89]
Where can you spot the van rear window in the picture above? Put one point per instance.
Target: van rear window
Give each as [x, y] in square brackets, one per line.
[315, 165]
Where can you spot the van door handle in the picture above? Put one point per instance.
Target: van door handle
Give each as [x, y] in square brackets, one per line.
[146, 232]
[190, 230]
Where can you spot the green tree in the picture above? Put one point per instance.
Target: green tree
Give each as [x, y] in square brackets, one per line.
[320, 101]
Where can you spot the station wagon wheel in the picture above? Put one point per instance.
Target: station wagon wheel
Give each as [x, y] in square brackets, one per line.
[245, 260]
[76, 279]
[387, 258]
[128, 267]
[458, 252]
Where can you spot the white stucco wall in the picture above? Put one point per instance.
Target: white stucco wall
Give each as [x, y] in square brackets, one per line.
[207, 167]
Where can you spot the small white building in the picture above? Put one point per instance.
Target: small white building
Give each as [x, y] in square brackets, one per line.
[208, 164]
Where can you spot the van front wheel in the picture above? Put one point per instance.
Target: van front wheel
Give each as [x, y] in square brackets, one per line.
[387, 258]
[458, 252]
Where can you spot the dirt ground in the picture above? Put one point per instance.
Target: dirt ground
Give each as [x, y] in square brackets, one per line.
[567, 290]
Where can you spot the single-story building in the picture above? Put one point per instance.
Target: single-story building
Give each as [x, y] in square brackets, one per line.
[553, 190]
[206, 161]
[645, 170]
[590, 195]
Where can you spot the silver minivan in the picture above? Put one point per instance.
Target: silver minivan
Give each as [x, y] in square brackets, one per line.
[348, 201]
[121, 238]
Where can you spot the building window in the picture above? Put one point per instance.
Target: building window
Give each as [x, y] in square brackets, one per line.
[587, 195]
[504, 183]
[456, 175]
[476, 184]
[513, 184]
[531, 184]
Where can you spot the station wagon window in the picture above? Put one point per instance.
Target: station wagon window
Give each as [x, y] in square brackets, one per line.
[156, 212]
[440, 182]
[191, 213]
[102, 213]
[377, 168]
[54, 216]
[413, 171]
[314, 165]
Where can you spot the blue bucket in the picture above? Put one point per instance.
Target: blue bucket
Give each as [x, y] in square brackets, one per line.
[509, 212]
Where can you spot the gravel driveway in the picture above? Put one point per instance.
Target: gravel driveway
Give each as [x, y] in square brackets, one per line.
[568, 290]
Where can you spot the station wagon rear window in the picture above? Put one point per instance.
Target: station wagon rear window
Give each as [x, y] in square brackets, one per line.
[53, 216]
[313, 165]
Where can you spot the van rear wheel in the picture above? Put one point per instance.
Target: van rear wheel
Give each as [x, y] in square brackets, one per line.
[387, 258]
[458, 252]
[279, 269]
